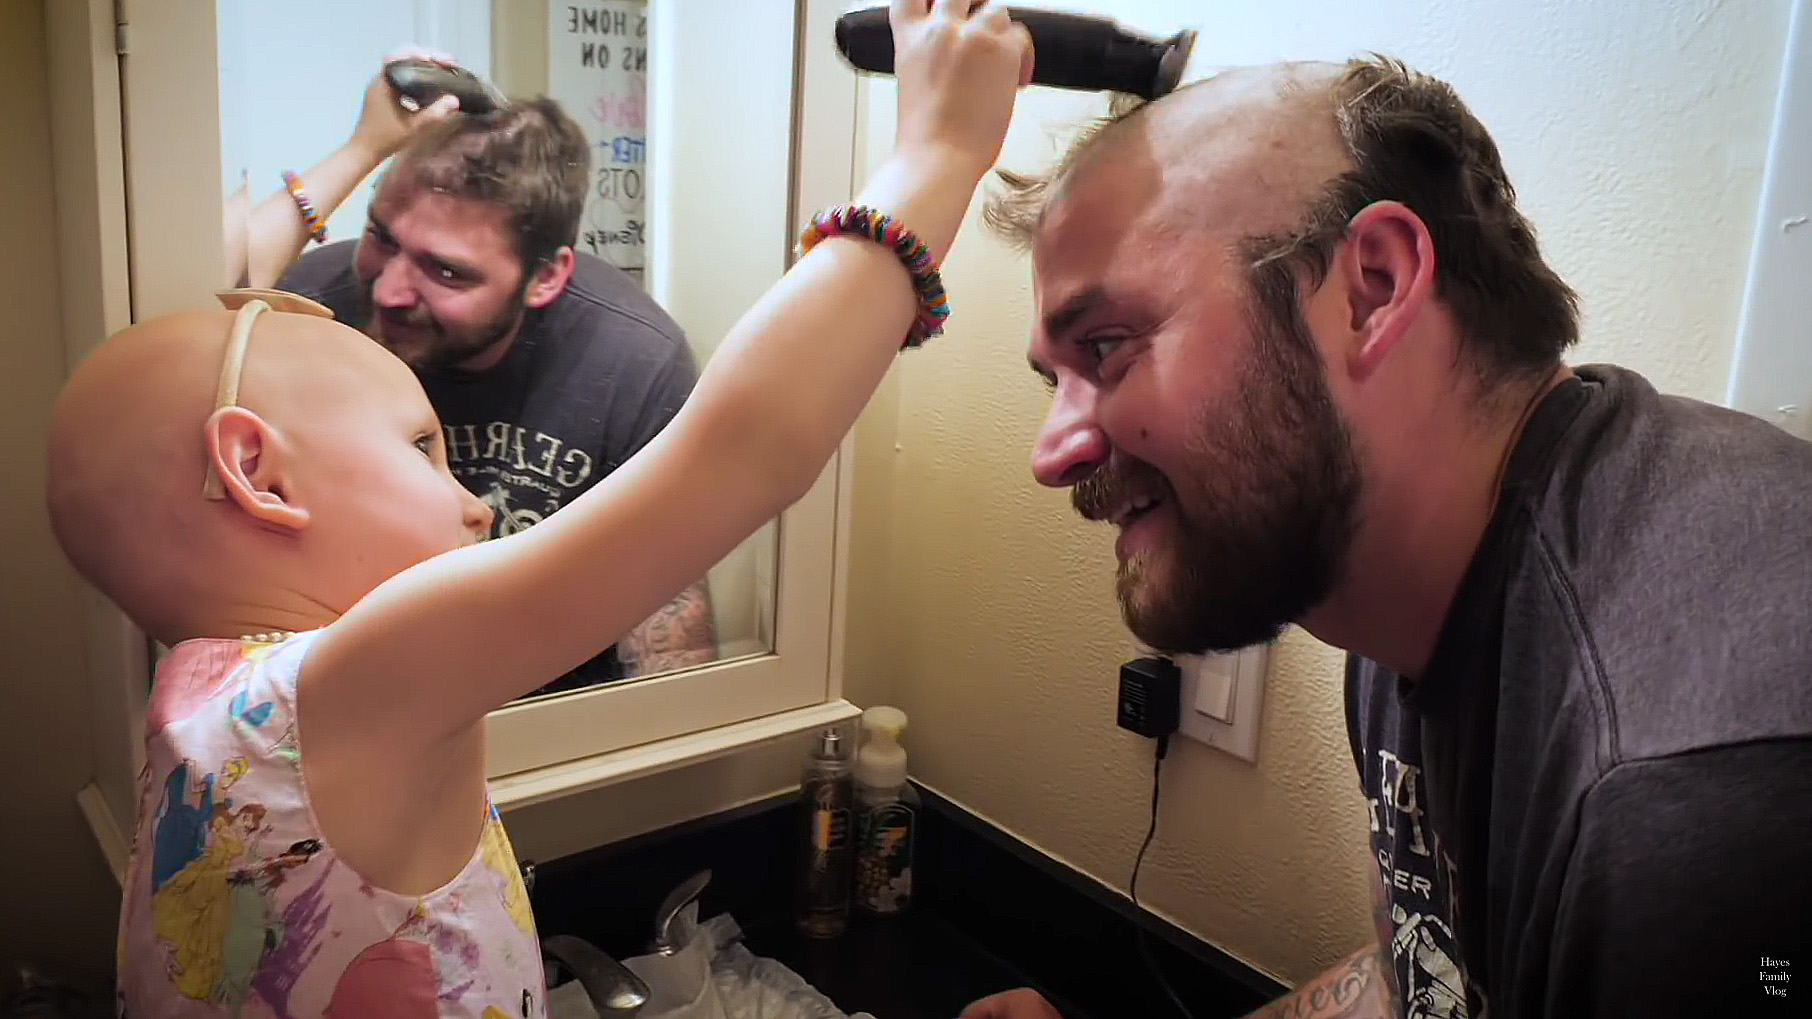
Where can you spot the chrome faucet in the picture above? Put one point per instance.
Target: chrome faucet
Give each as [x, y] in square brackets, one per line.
[615, 992]
[665, 937]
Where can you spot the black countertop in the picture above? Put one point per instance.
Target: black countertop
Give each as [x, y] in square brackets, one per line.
[989, 914]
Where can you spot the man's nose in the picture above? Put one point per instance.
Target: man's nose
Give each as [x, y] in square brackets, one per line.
[392, 287]
[1070, 444]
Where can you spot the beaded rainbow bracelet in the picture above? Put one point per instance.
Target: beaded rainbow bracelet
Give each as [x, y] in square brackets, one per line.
[317, 227]
[934, 308]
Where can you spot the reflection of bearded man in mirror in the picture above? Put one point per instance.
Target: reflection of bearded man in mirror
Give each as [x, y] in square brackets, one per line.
[548, 367]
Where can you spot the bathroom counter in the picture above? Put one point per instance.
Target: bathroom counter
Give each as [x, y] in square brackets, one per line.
[989, 914]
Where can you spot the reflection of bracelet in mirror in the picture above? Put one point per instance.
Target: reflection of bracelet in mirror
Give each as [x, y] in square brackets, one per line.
[317, 227]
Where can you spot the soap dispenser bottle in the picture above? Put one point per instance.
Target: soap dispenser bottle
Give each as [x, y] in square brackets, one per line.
[827, 859]
[887, 809]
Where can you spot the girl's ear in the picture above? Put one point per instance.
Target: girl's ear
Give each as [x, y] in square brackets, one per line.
[248, 458]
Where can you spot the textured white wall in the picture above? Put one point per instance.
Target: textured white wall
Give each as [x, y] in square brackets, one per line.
[1634, 130]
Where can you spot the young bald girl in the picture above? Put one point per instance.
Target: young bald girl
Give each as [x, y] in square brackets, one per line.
[265, 491]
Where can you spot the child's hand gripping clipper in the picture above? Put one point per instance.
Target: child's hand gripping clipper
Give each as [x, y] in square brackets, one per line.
[418, 82]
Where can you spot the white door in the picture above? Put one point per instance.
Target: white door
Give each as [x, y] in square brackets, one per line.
[1771, 371]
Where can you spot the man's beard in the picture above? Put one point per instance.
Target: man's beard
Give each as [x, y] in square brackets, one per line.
[1261, 517]
[429, 343]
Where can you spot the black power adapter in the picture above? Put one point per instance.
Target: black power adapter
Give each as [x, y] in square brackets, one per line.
[1151, 693]
[1151, 696]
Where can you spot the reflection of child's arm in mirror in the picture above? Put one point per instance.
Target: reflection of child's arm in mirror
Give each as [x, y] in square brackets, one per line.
[233, 223]
[263, 240]
[271, 234]
[428, 654]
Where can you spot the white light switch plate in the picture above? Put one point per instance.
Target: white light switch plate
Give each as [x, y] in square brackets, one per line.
[1214, 676]
[1223, 699]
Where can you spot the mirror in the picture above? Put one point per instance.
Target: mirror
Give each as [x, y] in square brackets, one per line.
[543, 399]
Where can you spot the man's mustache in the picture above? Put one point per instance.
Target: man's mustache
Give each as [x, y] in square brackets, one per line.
[412, 318]
[1104, 493]
[415, 317]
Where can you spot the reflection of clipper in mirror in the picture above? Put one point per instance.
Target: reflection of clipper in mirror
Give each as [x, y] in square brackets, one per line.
[1073, 51]
[418, 83]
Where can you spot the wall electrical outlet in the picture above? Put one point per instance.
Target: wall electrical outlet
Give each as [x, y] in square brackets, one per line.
[1223, 697]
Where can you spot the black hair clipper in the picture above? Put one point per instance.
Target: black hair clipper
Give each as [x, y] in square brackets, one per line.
[418, 83]
[1073, 51]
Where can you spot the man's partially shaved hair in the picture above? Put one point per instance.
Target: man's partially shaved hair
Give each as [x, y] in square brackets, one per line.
[1015, 211]
[1402, 136]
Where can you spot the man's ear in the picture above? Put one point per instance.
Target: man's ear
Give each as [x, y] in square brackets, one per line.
[548, 277]
[248, 459]
[1386, 261]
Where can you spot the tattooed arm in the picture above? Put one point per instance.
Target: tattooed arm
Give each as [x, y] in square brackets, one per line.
[1360, 986]
[1354, 989]
[680, 635]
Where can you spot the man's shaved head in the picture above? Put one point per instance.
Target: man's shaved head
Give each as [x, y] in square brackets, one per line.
[1238, 153]
[1249, 138]
[1278, 158]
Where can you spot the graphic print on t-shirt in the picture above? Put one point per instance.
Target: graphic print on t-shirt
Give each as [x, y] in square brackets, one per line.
[1419, 881]
[523, 474]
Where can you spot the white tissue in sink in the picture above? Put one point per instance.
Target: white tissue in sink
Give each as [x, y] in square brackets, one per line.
[711, 976]
[569, 1001]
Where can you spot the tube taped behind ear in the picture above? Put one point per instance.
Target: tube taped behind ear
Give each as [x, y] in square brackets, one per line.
[248, 302]
[276, 300]
[226, 392]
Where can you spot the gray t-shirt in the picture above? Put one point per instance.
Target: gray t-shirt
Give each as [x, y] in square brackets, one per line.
[1597, 800]
[588, 381]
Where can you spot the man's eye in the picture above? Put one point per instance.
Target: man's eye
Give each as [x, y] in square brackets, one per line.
[1101, 348]
[425, 443]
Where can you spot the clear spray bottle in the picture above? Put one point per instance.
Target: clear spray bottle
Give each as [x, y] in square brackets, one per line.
[827, 858]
